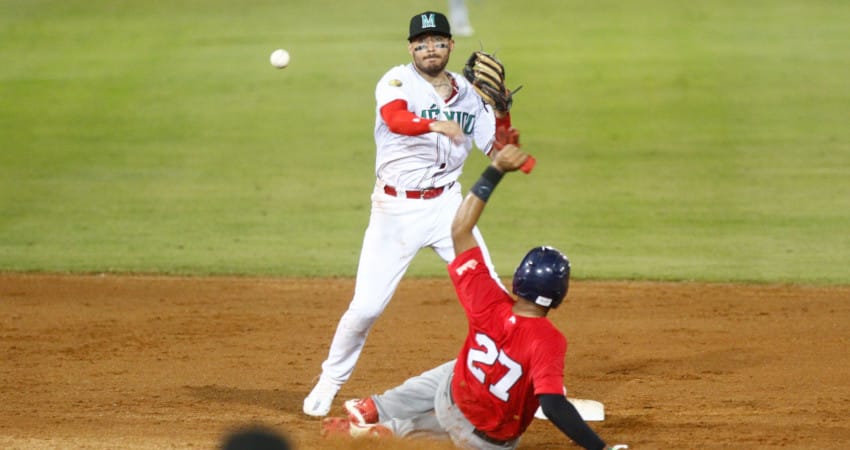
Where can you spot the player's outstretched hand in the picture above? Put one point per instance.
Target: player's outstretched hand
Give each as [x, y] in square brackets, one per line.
[510, 158]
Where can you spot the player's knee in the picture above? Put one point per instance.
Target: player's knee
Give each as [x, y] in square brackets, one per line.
[360, 320]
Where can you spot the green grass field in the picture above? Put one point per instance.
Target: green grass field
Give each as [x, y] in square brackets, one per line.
[676, 140]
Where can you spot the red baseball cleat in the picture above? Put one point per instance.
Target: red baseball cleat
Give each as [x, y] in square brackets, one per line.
[370, 430]
[362, 411]
[342, 427]
[336, 426]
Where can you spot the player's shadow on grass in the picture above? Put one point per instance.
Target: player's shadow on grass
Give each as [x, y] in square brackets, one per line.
[274, 399]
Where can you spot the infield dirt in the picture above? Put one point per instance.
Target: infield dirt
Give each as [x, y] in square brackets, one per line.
[146, 362]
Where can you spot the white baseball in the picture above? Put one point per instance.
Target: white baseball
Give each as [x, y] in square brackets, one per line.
[280, 58]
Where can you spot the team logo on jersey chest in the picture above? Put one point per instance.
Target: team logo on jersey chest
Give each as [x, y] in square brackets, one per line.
[464, 119]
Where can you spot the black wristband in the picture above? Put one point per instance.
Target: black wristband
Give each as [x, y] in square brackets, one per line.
[488, 181]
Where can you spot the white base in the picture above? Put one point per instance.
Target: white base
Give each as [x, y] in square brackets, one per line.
[590, 410]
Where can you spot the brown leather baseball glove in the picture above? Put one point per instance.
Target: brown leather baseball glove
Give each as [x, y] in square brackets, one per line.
[487, 75]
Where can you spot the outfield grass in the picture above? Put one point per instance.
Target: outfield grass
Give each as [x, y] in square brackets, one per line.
[676, 140]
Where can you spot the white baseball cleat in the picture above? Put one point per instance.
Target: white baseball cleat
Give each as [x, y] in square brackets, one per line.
[318, 402]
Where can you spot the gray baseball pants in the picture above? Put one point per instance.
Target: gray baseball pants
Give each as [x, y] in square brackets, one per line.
[422, 407]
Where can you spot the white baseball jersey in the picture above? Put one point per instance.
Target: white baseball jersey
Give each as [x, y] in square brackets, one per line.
[400, 226]
[430, 159]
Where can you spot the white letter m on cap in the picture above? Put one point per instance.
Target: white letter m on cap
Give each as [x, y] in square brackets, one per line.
[428, 21]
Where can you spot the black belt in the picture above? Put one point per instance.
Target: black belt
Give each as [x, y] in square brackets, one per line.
[486, 438]
[418, 193]
[481, 434]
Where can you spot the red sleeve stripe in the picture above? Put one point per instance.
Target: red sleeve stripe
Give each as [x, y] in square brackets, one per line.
[401, 121]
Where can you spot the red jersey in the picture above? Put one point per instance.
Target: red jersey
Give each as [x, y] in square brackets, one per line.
[506, 360]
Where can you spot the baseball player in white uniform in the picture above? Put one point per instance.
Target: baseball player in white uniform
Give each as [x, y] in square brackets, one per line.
[427, 122]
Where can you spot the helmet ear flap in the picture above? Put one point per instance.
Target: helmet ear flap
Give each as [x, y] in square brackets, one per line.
[543, 277]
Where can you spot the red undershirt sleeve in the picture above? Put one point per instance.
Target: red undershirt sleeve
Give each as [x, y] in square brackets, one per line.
[504, 121]
[401, 121]
[500, 122]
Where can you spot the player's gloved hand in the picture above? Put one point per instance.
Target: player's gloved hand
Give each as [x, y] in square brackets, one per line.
[487, 75]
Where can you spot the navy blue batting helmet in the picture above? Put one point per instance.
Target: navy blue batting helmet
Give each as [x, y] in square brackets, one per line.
[543, 277]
